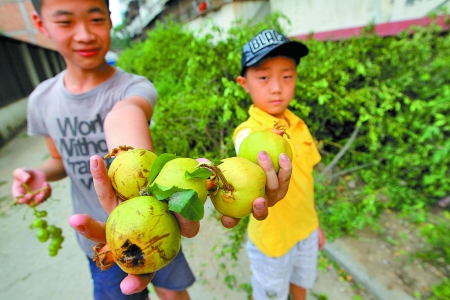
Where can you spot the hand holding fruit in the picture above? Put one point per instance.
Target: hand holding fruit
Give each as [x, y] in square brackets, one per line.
[30, 186]
[95, 230]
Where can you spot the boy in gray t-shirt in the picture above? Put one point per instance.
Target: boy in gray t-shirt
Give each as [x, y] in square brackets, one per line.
[86, 110]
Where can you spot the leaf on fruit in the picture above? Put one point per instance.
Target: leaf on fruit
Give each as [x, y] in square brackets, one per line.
[216, 161]
[161, 192]
[187, 204]
[183, 201]
[158, 164]
[200, 173]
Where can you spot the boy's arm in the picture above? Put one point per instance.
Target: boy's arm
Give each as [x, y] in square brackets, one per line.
[53, 168]
[127, 124]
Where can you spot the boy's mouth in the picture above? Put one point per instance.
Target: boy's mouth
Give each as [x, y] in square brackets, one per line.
[87, 52]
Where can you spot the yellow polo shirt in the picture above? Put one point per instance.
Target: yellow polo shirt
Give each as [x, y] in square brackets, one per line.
[293, 218]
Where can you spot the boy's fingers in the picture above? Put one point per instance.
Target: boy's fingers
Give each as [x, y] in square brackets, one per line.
[284, 175]
[229, 222]
[271, 177]
[21, 175]
[260, 209]
[135, 283]
[102, 184]
[88, 227]
[188, 228]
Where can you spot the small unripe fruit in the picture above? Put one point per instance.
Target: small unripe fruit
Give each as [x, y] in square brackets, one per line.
[129, 171]
[265, 140]
[143, 235]
[244, 182]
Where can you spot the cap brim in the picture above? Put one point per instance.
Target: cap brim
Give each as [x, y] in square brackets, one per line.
[293, 49]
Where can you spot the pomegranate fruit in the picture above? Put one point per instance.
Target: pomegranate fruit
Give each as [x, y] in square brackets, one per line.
[129, 171]
[239, 183]
[142, 234]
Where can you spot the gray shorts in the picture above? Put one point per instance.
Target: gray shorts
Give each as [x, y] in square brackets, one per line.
[271, 276]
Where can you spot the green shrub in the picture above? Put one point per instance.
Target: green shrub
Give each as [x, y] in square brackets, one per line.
[395, 89]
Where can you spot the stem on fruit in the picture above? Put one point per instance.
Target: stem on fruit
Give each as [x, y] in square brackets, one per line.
[280, 129]
[116, 151]
[227, 188]
[103, 256]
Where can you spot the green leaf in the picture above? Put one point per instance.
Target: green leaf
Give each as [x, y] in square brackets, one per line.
[216, 162]
[183, 201]
[200, 173]
[161, 192]
[158, 164]
[187, 204]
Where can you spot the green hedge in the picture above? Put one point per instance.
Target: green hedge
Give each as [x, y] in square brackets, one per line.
[396, 89]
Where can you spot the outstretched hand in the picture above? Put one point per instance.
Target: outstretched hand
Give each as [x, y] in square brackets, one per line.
[276, 187]
[95, 230]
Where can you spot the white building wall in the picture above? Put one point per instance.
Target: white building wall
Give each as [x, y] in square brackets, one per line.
[308, 16]
[231, 12]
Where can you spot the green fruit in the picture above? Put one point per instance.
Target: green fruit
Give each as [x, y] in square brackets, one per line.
[129, 172]
[142, 235]
[42, 235]
[265, 140]
[173, 174]
[56, 232]
[57, 240]
[39, 223]
[41, 214]
[244, 182]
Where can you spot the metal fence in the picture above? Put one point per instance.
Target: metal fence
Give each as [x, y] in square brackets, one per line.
[23, 66]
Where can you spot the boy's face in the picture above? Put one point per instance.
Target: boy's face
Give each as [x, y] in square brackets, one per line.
[271, 85]
[80, 30]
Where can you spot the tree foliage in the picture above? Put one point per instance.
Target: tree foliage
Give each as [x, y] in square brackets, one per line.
[397, 89]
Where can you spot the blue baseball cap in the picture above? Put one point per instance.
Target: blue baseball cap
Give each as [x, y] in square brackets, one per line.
[272, 42]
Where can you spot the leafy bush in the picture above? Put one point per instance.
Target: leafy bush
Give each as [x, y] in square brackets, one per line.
[395, 90]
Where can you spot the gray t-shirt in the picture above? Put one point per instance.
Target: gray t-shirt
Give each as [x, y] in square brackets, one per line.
[75, 123]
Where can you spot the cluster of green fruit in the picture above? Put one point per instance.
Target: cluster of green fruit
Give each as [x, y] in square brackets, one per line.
[142, 233]
[45, 232]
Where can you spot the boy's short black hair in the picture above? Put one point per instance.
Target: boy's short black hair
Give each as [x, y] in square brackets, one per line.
[37, 4]
[271, 43]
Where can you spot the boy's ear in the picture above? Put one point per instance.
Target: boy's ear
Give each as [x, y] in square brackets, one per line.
[242, 82]
[39, 24]
[110, 21]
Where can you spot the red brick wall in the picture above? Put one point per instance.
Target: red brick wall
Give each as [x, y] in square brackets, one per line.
[14, 24]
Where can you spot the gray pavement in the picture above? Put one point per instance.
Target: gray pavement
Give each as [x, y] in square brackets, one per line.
[29, 273]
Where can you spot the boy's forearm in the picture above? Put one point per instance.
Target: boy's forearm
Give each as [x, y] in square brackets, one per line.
[53, 169]
[127, 125]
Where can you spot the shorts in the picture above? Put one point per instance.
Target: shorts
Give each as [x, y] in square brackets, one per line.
[175, 276]
[271, 276]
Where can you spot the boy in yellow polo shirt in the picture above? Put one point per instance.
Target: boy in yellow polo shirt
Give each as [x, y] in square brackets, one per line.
[283, 248]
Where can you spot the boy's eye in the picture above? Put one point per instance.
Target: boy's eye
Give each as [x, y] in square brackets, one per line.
[98, 20]
[64, 23]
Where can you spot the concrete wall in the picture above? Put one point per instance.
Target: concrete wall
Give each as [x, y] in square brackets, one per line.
[13, 118]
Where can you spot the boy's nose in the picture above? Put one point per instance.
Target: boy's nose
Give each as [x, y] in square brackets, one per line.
[83, 34]
[275, 86]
